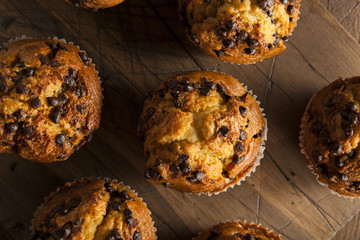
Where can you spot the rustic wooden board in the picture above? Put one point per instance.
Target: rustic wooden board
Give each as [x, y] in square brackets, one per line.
[136, 45]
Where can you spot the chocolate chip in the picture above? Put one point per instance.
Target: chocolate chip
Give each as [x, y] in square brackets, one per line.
[55, 63]
[72, 73]
[197, 177]
[248, 236]
[351, 106]
[79, 108]
[220, 53]
[175, 93]
[355, 185]
[238, 159]
[224, 131]
[228, 43]
[285, 2]
[18, 114]
[276, 42]
[137, 235]
[22, 89]
[348, 131]
[252, 42]
[78, 221]
[172, 84]
[322, 167]
[338, 85]
[35, 102]
[52, 101]
[290, 9]
[75, 202]
[249, 51]
[116, 206]
[62, 156]
[316, 127]
[352, 118]
[3, 88]
[55, 114]
[317, 156]
[230, 25]
[242, 111]
[205, 91]
[291, 19]
[183, 157]
[70, 81]
[335, 148]
[60, 140]
[129, 217]
[61, 47]
[16, 78]
[52, 45]
[211, 85]
[269, 13]
[330, 103]
[220, 89]
[188, 88]
[11, 127]
[30, 72]
[194, 37]
[265, 4]
[185, 167]
[325, 140]
[28, 131]
[63, 232]
[242, 35]
[124, 195]
[222, 32]
[242, 136]
[351, 154]
[114, 235]
[152, 174]
[84, 58]
[239, 147]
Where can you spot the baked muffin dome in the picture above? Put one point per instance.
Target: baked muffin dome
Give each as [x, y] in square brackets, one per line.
[237, 231]
[93, 209]
[202, 132]
[239, 31]
[95, 4]
[330, 136]
[50, 99]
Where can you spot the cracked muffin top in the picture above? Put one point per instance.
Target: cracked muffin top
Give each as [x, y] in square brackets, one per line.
[330, 133]
[93, 209]
[239, 31]
[50, 99]
[95, 4]
[202, 132]
[237, 231]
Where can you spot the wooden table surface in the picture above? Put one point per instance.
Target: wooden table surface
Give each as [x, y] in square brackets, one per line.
[138, 44]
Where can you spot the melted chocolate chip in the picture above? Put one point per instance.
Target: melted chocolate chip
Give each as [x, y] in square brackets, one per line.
[188, 88]
[28, 131]
[11, 128]
[265, 4]
[228, 43]
[55, 114]
[205, 91]
[238, 159]
[211, 85]
[3, 88]
[152, 174]
[52, 101]
[242, 35]
[230, 25]
[22, 89]
[35, 102]
[239, 147]
[185, 167]
[63, 232]
[290, 9]
[224, 131]
[249, 51]
[252, 42]
[60, 140]
[242, 111]
[137, 235]
[222, 32]
[220, 53]
[124, 195]
[242, 136]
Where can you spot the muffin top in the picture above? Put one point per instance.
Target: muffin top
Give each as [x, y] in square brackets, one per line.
[93, 209]
[330, 136]
[237, 231]
[202, 132]
[50, 99]
[95, 4]
[240, 31]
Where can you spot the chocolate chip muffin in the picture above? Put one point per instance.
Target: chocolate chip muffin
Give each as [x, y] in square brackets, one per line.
[237, 231]
[95, 4]
[50, 99]
[93, 209]
[239, 31]
[202, 132]
[330, 136]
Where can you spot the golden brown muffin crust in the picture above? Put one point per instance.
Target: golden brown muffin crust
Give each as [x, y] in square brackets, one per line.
[330, 136]
[237, 231]
[50, 99]
[239, 31]
[93, 209]
[95, 4]
[202, 132]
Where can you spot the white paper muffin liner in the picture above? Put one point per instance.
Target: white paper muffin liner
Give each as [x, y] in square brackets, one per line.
[242, 223]
[106, 179]
[302, 150]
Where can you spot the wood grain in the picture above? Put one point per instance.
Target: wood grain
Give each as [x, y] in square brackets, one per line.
[135, 46]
